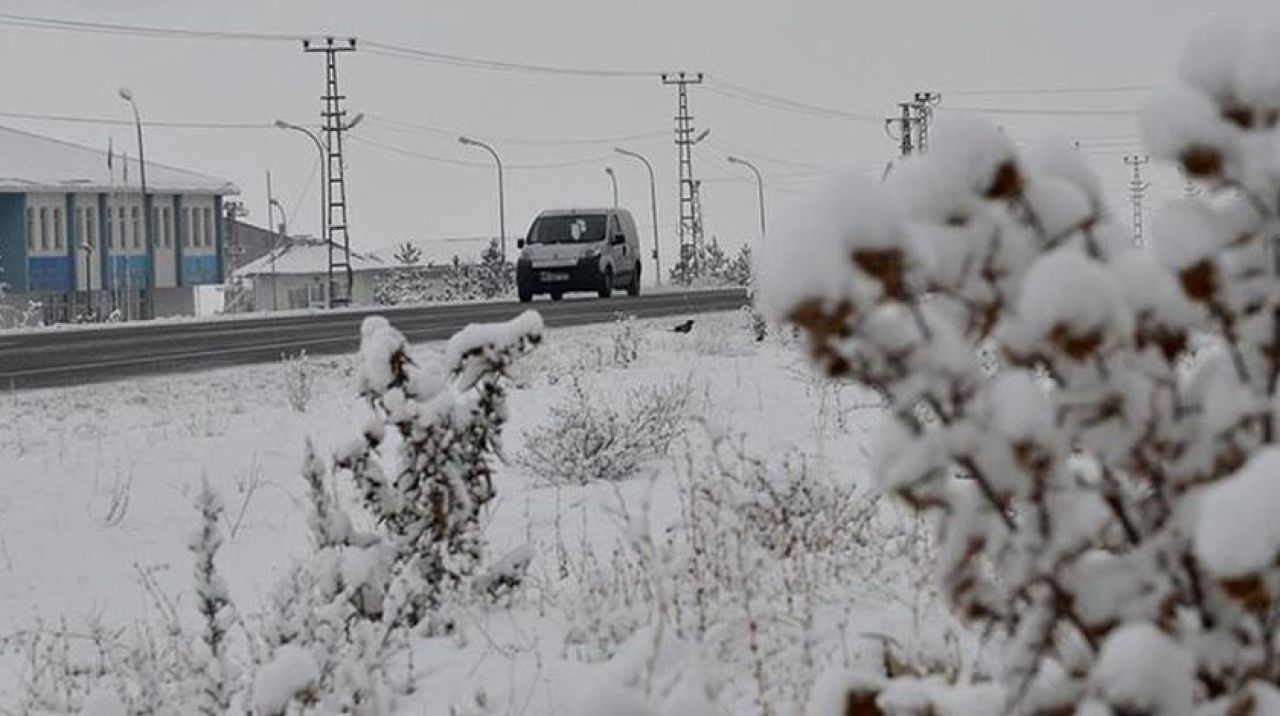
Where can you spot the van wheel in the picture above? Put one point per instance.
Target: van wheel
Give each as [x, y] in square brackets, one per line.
[556, 295]
[633, 288]
[606, 283]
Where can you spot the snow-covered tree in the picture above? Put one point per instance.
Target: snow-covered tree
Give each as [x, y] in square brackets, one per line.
[1092, 425]
[213, 678]
[407, 254]
[446, 418]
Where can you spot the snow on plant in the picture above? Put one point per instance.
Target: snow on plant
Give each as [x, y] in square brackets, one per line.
[1098, 484]
[214, 675]
[299, 377]
[588, 438]
[333, 637]
[746, 593]
[446, 418]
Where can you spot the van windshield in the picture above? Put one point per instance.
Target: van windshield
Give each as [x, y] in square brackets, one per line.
[576, 229]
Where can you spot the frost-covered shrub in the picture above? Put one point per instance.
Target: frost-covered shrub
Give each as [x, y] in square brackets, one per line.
[754, 572]
[593, 435]
[299, 376]
[626, 341]
[1102, 491]
[441, 423]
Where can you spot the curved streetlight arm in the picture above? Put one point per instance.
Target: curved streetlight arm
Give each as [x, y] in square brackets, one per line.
[502, 208]
[653, 206]
[759, 187]
[324, 171]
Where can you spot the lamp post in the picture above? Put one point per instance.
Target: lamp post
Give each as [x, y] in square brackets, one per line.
[759, 187]
[324, 184]
[653, 207]
[613, 179]
[282, 233]
[127, 95]
[87, 248]
[502, 211]
[324, 190]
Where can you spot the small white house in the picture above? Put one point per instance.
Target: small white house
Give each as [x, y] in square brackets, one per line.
[296, 276]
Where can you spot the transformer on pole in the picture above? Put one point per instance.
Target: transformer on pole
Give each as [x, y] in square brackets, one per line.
[336, 236]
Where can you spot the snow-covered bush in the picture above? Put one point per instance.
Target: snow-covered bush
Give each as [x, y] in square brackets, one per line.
[593, 435]
[443, 422]
[1101, 490]
[747, 590]
[298, 377]
[626, 340]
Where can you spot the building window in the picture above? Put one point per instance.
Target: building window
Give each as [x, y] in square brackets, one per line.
[208, 227]
[121, 240]
[44, 229]
[137, 228]
[168, 229]
[57, 229]
[31, 229]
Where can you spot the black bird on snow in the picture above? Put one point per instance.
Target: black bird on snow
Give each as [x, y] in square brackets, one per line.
[685, 327]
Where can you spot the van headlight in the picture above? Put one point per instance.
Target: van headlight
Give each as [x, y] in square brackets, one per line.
[591, 253]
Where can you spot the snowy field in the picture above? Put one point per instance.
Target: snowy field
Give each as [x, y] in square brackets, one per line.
[742, 559]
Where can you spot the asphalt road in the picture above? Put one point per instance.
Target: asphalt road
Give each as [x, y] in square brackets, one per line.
[74, 356]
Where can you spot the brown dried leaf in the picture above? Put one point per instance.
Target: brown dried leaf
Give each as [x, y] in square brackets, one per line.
[1200, 280]
[1006, 184]
[1077, 346]
[1202, 161]
[888, 266]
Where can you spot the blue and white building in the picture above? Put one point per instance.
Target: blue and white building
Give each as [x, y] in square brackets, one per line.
[73, 235]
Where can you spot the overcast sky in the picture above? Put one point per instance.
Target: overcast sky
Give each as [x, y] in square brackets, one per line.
[861, 57]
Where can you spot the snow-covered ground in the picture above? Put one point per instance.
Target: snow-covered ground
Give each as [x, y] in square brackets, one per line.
[682, 560]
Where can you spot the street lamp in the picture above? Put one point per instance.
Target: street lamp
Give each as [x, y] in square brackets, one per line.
[126, 94]
[274, 203]
[759, 187]
[613, 179]
[324, 176]
[502, 211]
[653, 205]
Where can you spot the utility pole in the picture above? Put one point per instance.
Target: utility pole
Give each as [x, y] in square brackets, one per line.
[690, 221]
[902, 125]
[336, 237]
[924, 104]
[1137, 189]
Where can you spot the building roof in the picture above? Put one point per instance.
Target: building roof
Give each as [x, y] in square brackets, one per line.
[305, 256]
[440, 252]
[35, 163]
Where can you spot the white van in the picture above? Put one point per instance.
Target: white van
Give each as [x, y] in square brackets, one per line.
[579, 250]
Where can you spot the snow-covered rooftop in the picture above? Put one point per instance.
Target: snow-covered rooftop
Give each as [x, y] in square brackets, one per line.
[32, 163]
[305, 257]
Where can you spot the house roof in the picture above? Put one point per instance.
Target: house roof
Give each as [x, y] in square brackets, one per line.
[35, 163]
[305, 256]
[440, 252]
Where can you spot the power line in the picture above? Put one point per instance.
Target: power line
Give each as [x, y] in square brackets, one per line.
[402, 52]
[128, 123]
[415, 128]
[478, 165]
[51, 23]
[742, 93]
[1045, 112]
[1056, 90]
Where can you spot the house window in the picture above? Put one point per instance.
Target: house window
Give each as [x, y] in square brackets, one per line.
[208, 227]
[31, 229]
[137, 229]
[168, 229]
[57, 229]
[44, 229]
[121, 240]
[194, 218]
